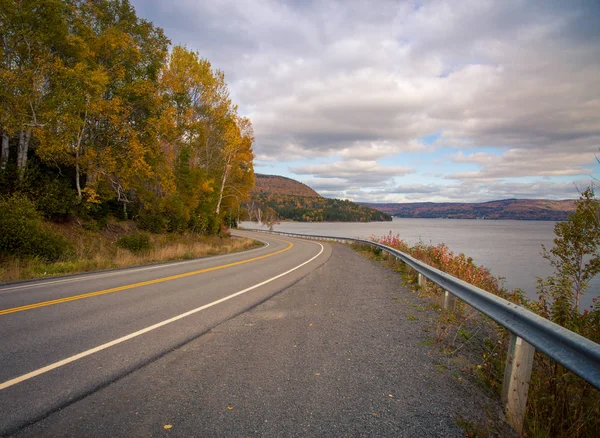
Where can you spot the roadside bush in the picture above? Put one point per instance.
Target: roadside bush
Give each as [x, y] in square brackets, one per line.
[23, 234]
[204, 223]
[136, 243]
[152, 222]
[53, 197]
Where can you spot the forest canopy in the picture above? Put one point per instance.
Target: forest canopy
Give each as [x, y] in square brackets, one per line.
[99, 114]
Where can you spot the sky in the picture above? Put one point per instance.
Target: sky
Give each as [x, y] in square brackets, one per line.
[409, 101]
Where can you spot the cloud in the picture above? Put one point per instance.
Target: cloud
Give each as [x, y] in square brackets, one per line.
[363, 83]
[526, 162]
[414, 188]
[472, 191]
[354, 172]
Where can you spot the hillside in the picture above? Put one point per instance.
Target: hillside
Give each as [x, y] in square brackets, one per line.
[274, 184]
[519, 209]
[295, 201]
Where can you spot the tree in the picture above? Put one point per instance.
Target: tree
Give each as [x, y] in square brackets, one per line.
[212, 145]
[270, 218]
[565, 404]
[33, 35]
[575, 258]
[237, 177]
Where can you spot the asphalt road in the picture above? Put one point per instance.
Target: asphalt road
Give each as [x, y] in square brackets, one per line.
[344, 351]
[63, 339]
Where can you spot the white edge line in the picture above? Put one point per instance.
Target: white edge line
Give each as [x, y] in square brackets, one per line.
[41, 282]
[91, 351]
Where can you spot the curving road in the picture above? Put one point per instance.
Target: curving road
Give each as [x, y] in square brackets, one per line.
[61, 339]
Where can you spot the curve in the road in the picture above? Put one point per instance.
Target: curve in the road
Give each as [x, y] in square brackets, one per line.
[83, 354]
[143, 283]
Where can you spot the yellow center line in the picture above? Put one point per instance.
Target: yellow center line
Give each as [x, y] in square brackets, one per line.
[143, 283]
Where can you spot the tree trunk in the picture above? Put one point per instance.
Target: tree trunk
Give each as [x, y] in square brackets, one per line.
[77, 182]
[77, 173]
[20, 150]
[22, 153]
[223, 181]
[4, 152]
[77, 149]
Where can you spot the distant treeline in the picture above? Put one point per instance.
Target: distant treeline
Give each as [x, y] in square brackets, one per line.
[517, 209]
[99, 115]
[314, 209]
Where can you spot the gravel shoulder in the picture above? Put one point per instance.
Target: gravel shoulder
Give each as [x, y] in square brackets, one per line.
[343, 352]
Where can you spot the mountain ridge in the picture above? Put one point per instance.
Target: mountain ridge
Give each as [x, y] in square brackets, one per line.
[503, 209]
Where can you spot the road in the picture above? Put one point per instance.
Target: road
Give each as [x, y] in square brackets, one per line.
[62, 339]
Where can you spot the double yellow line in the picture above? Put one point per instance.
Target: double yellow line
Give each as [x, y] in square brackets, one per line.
[143, 283]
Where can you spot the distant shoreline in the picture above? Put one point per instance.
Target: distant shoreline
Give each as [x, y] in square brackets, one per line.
[506, 209]
[482, 219]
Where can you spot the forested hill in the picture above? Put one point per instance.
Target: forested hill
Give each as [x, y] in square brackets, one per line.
[519, 209]
[292, 200]
[275, 184]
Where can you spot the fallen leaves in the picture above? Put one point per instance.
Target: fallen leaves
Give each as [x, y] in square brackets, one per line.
[167, 426]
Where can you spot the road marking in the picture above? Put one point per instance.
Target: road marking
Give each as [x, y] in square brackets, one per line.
[143, 283]
[120, 340]
[125, 271]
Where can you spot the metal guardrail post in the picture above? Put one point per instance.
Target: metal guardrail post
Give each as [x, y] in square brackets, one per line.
[515, 384]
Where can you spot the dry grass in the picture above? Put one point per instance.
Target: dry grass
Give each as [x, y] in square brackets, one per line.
[93, 250]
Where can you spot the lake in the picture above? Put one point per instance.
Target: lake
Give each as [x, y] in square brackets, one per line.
[510, 249]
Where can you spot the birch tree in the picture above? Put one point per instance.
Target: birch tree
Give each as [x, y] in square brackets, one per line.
[32, 32]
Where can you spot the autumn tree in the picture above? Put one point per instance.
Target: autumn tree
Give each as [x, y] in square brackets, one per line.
[33, 34]
[106, 102]
[213, 146]
[237, 175]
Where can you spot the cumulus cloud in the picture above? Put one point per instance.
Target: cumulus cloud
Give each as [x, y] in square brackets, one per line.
[526, 162]
[360, 83]
[353, 172]
[470, 191]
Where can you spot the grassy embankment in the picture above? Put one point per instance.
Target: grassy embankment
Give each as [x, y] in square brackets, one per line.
[560, 404]
[119, 244]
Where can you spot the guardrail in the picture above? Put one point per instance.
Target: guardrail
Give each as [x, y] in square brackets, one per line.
[528, 330]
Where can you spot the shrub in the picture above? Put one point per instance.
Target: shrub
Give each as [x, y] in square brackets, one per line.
[152, 222]
[136, 243]
[53, 197]
[204, 223]
[22, 232]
